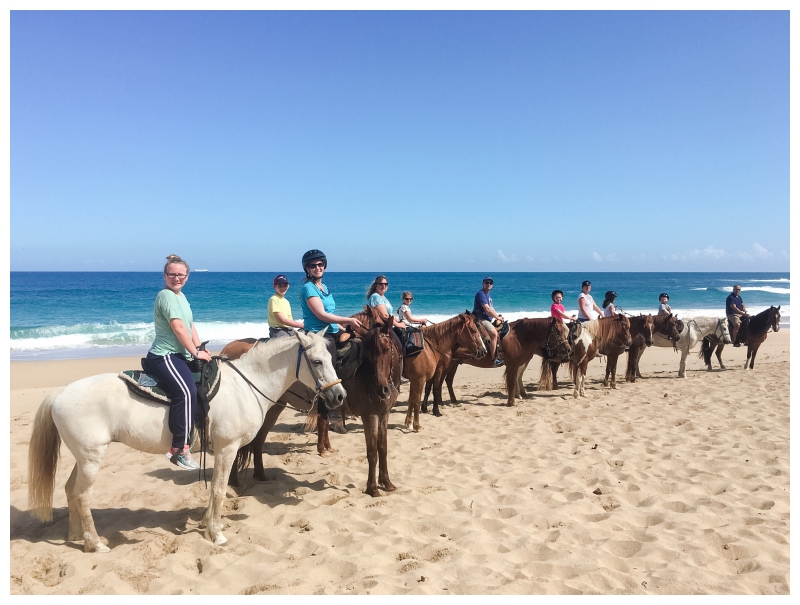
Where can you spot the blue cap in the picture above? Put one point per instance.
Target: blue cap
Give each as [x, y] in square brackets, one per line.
[280, 279]
[488, 278]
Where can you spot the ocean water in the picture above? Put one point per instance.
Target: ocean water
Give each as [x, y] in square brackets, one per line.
[82, 314]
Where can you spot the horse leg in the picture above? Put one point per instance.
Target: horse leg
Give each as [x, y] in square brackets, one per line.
[608, 372]
[521, 392]
[682, 368]
[87, 465]
[554, 369]
[451, 374]
[371, 436]
[612, 361]
[511, 384]
[383, 448]
[753, 356]
[638, 358]
[75, 525]
[437, 393]
[323, 437]
[414, 392]
[584, 366]
[720, 346]
[257, 445]
[428, 387]
[212, 519]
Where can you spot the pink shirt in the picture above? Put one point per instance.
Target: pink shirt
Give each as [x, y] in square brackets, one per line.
[560, 307]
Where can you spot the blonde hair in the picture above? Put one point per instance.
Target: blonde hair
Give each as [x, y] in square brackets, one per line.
[174, 259]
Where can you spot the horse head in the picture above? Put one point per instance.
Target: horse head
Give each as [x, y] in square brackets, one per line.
[557, 344]
[648, 329]
[679, 325]
[673, 328]
[469, 337]
[625, 329]
[382, 352]
[319, 368]
[775, 318]
[726, 333]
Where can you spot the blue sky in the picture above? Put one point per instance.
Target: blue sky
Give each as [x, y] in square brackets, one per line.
[419, 141]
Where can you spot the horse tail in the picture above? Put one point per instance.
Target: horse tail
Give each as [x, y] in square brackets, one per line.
[545, 376]
[311, 420]
[242, 459]
[43, 454]
[705, 350]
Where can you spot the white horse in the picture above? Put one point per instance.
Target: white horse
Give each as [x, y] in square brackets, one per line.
[694, 330]
[91, 413]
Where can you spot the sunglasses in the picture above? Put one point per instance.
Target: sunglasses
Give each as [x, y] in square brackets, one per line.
[316, 265]
[408, 299]
[385, 283]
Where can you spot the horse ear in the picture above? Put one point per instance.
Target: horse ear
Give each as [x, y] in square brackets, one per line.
[387, 325]
[322, 332]
[779, 307]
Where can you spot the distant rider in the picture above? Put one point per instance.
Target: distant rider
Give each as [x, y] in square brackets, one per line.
[279, 311]
[484, 312]
[586, 305]
[557, 308]
[735, 310]
[663, 307]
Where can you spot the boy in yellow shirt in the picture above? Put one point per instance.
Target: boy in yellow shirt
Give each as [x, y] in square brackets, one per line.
[279, 311]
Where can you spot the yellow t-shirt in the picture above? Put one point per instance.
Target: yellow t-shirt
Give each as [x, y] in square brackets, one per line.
[278, 304]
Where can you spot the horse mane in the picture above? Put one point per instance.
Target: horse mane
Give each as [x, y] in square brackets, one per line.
[601, 331]
[442, 330]
[759, 324]
[532, 327]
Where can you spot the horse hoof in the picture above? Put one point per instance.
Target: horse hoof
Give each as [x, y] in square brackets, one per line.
[221, 540]
[375, 492]
[99, 548]
[510, 404]
[437, 413]
[388, 486]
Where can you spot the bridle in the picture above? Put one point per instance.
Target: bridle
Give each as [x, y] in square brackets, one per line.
[549, 351]
[301, 353]
[392, 386]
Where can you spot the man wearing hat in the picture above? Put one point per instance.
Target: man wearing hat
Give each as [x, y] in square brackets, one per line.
[279, 311]
[586, 305]
[485, 313]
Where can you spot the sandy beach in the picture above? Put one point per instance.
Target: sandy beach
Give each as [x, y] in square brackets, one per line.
[665, 486]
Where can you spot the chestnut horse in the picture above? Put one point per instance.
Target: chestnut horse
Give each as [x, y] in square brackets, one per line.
[547, 337]
[640, 327]
[596, 334]
[441, 342]
[665, 325]
[372, 394]
[753, 336]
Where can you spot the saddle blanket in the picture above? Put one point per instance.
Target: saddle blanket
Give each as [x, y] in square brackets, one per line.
[146, 386]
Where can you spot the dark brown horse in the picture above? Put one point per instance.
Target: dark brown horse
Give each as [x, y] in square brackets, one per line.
[547, 337]
[665, 325]
[640, 327]
[371, 392]
[441, 342]
[753, 335]
[596, 334]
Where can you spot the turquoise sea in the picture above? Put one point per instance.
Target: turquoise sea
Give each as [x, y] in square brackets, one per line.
[83, 314]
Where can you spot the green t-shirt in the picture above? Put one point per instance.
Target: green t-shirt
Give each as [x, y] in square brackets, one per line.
[170, 306]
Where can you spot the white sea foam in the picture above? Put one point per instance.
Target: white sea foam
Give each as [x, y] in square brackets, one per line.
[96, 340]
[770, 289]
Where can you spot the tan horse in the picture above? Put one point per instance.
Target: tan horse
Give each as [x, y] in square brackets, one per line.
[441, 342]
[596, 334]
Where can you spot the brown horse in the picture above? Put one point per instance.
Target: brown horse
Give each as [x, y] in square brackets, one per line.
[371, 393]
[641, 328]
[547, 337]
[596, 334]
[753, 335]
[441, 342]
[665, 325]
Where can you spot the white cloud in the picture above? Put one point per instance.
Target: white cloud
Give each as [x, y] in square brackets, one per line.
[760, 251]
[713, 252]
[596, 257]
[507, 259]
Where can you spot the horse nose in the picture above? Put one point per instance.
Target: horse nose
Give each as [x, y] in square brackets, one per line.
[384, 391]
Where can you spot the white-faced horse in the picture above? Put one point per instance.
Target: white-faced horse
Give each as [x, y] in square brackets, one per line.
[694, 330]
[95, 411]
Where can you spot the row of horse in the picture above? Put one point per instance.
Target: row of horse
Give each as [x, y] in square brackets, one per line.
[91, 413]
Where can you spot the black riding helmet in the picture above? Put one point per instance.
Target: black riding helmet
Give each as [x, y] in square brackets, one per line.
[314, 255]
[663, 294]
[553, 294]
[611, 295]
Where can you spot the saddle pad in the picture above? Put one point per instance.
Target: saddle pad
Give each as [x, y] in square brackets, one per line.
[143, 385]
[146, 386]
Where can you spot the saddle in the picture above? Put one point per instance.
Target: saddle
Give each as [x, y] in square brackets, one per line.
[741, 336]
[412, 341]
[349, 355]
[206, 378]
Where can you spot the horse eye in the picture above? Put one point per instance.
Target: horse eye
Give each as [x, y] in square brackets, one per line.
[318, 362]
